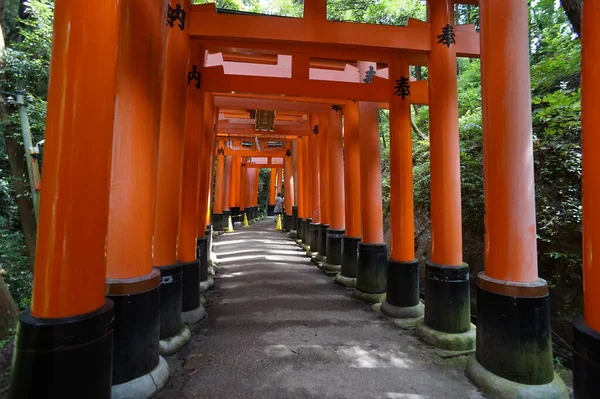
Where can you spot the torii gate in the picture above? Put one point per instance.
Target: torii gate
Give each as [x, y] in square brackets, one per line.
[128, 217]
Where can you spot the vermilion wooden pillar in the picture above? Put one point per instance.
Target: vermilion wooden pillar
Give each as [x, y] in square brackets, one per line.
[301, 205]
[68, 302]
[323, 128]
[294, 177]
[192, 309]
[289, 187]
[132, 283]
[347, 275]
[243, 184]
[168, 180]
[227, 192]
[402, 300]
[447, 277]
[235, 186]
[586, 332]
[307, 190]
[217, 214]
[315, 188]
[272, 192]
[513, 314]
[335, 169]
[372, 251]
[211, 170]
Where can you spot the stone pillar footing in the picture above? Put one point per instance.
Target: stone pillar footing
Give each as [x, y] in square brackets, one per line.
[350, 257]
[447, 324]
[145, 386]
[501, 388]
[136, 325]
[333, 246]
[294, 218]
[322, 245]
[586, 361]
[403, 284]
[174, 343]
[349, 282]
[170, 300]
[402, 312]
[368, 297]
[372, 269]
[63, 358]
[514, 340]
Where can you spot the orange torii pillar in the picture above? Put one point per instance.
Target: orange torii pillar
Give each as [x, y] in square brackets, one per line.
[322, 130]
[447, 303]
[68, 304]
[288, 192]
[315, 189]
[211, 176]
[402, 299]
[294, 177]
[352, 237]
[168, 184]
[301, 180]
[272, 192]
[205, 169]
[586, 331]
[217, 213]
[372, 251]
[335, 170]
[243, 188]
[514, 339]
[132, 283]
[227, 191]
[235, 187]
[192, 309]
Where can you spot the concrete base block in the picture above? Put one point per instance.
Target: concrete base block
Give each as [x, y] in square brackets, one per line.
[345, 281]
[448, 341]
[206, 284]
[299, 241]
[369, 298]
[331, 270]
[320, 257]
[309, 254]
[405, 324]
[145, 386]
[501, 388]
[212, 270]
[306, 248]
[193, 316]
[167, 347]
[202, 300]
[292, 234]
[397, 312]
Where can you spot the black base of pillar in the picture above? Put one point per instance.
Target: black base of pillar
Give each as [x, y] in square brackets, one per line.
[307, 224]
[190, 291]
[301, 224]
[137, 326]
[314, 237]
[447, 298]
[270, 210]
[202, 257]
[372, 268]
[69, 357]
[295, 218]
[350, 256]
[170, 300]
[586, 361]
[248, 212]
[403, 283]
[334, 246]
[322, 249]
[217, 221]
[226, 216]
[209, 235]
[287, 222]
[513, 332]
[235, 211]
[255, 210]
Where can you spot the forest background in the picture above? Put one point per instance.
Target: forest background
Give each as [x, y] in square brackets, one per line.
[25, 43]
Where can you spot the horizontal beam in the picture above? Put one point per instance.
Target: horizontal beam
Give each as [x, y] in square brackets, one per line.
[379, 42]
[253, 153]
[269, 104]
[265, 166]
[379, 90]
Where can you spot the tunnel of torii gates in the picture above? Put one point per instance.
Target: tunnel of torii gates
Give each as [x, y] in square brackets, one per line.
[145, 93]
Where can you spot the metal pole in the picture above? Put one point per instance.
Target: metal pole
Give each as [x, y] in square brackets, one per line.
[28, 146]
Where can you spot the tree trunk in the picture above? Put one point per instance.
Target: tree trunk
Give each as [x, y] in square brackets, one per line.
[8, 310]
[18, 168]
[573, 10]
